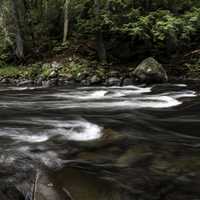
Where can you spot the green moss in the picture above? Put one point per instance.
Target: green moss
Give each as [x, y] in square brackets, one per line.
[75, 69]
[11, 72]
[20, 71]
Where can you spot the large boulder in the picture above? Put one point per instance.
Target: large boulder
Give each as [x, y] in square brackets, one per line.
[150, 71]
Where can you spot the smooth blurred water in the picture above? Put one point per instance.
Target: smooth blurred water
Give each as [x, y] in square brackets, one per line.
[39, 127]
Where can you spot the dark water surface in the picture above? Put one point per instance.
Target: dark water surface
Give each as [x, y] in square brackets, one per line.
[100, 143]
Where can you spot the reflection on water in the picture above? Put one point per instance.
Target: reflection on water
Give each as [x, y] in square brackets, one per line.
[100, 143]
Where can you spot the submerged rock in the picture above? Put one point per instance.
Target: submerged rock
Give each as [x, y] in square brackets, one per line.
[150, 71]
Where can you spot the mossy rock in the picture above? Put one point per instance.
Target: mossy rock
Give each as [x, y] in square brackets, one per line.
[150, 71]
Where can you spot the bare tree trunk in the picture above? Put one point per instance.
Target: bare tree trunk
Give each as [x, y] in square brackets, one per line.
[66, 20]
[18, 35]
[101, 51]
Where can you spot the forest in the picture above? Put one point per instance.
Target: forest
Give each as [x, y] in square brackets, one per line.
[107, 30]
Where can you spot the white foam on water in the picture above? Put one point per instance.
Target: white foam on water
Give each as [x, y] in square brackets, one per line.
[95, 95]
[108, 93]
[81, 95]
[84, 131]
[24, 88]
[161, 102]
[22, 134]
[180, 85]
[133, 103]
[126, 92]
[32, 138]
[185, 94]
[77, 130]
[149, 102]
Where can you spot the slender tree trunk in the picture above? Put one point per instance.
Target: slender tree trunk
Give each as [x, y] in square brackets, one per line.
[66, 20]
[18, 35]
[101, 51]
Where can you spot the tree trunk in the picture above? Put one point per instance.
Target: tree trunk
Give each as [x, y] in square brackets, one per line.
[66, 20]
[101, 51]
[19, 51]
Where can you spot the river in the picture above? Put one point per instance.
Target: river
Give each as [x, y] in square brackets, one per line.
[100, 143]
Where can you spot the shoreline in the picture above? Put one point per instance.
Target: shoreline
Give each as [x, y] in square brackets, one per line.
[82, 72]
[62, 82]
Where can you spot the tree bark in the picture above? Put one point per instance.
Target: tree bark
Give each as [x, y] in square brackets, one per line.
[101, 51]
[66, 20]
[19, 51]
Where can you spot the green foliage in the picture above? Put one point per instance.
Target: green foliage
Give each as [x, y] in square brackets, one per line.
[9, 71]
[161, 23]
[75, 69]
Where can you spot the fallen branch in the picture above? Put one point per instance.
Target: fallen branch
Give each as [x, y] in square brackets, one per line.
[35, 186]
[68, 193]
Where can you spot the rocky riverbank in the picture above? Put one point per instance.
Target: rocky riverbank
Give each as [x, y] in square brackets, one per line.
[74, 71]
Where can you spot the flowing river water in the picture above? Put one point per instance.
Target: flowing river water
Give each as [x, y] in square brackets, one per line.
[100, 143]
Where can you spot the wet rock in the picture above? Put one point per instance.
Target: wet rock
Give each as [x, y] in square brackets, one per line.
[95, 80]
[114, 73]
[113, 82]
[50, 83]
[12, 81]
[70, 82]
[38, 82]
[25, 83]
[60, 81]
[4, 81]
[85, 83]
[127, 81]
[81, 76]
[150, 71]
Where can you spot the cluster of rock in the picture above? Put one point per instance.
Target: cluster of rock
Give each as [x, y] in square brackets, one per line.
[148, 71]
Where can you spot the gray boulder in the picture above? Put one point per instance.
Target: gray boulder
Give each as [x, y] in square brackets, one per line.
[50, 83]
[25, 83]
[95, 79]
[113, 82]
[127, 81]
[150, 71]
[114, 74]
[85, 82]
[39, 80]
